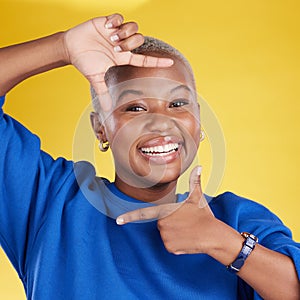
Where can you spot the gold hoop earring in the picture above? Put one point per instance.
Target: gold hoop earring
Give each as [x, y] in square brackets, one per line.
[202, 135]
[103, 146]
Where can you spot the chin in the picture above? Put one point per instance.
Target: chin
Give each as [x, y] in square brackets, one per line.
[157, 176]
[169, 175]
[146, 173]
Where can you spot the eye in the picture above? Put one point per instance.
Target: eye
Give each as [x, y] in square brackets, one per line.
[179, 102]
[135, 108]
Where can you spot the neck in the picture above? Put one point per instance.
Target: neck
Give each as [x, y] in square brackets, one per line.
[159, 193]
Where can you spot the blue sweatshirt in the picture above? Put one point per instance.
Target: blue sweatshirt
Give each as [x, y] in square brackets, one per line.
[57, 227]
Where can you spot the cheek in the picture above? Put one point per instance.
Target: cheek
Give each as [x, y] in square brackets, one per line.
[110, 126]
[121, 135]
[113, 126]
[192, 127]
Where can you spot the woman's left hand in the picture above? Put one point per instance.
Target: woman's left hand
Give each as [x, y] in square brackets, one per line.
[185, 228]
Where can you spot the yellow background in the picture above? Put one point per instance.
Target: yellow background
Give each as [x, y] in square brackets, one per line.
[245, 55]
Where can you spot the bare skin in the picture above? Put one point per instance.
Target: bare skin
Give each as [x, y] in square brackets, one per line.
[188, 228]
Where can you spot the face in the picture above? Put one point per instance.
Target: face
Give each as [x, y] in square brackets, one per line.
[154, 126]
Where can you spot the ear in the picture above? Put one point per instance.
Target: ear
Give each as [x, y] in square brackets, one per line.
[98, 127]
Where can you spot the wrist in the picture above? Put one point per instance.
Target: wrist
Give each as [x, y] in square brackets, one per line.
[248, 246]
[226, 244]
[61, 48]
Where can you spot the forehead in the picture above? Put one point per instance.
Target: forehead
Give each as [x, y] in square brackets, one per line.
[149, 87]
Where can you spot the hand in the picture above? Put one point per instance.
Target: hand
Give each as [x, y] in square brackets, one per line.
[96, 45]
[185, 228]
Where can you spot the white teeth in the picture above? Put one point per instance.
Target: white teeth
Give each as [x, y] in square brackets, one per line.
[160, 150]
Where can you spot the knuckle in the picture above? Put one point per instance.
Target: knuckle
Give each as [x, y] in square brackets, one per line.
[134, 41]
[142, 214]
[129, 219]
[145, 62]
[196, 181]
[130, 27]
[135, 26]
[138, 39]
[170, 248]
[119, 16]
[126, 32]
[162, 223]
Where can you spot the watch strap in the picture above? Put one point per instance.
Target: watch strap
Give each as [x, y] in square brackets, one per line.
[248, 246]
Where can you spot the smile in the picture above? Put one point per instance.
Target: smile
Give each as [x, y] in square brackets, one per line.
[160, 150]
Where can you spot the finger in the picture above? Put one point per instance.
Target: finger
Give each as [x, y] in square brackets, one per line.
[140, 60]
[131, 42]
[100, 87]
[105, 101]
[125, 31]
[113, 21]
[148, 213]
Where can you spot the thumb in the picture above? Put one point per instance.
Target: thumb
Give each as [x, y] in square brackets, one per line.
[196, 195]
[195, 181]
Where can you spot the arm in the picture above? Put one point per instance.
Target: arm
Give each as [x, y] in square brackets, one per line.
[88, 46]
[190, 227]
[19, 62]
[271, 274]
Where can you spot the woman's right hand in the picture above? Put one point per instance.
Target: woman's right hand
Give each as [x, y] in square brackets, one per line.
[98, 44]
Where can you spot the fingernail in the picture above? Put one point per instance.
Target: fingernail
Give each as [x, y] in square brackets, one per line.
[108, 25]
[199, 170]
[120, 221]
[117, 49]
[114, 38]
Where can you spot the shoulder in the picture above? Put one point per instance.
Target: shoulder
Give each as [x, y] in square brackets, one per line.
[246, 215]
[84, 171]
[228, 203]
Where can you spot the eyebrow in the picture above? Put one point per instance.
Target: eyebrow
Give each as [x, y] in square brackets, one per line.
[139, 93]
[182, 86]
[124, 93]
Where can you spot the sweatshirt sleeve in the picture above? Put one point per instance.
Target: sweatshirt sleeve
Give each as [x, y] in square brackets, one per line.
[246, 215]
[30, 179]
[272, 233]
[270, 230]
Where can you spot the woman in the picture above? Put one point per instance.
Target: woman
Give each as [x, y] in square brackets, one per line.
[63, 248]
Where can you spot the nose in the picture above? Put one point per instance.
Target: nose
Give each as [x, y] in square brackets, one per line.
[159, 123]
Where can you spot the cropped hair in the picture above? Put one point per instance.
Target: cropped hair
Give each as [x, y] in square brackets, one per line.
[151, 45]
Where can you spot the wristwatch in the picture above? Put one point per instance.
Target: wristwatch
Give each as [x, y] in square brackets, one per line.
[248, 246]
